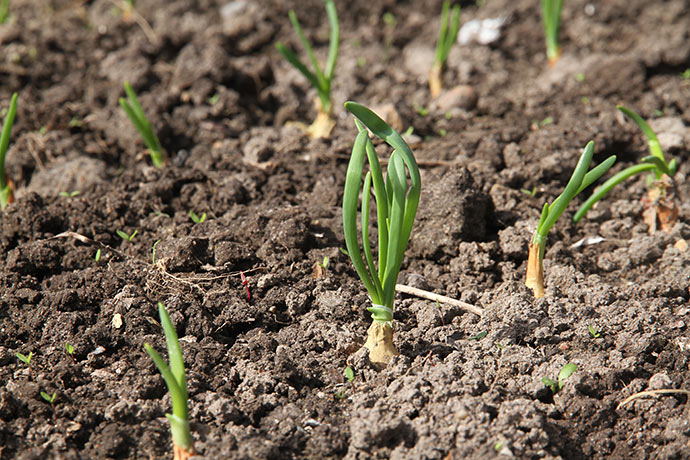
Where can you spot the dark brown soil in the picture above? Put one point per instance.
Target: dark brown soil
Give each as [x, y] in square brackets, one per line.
[266, 372]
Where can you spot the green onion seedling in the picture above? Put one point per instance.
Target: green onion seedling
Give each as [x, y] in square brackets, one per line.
[661, 208]
[136, 114]
[6, 187]
[563, 376]
[396, 207]
[320, 79]
[176, 380]
[446, 37]
[579, 180]
[551, 19]
[195, 218]
[4, 11]
[125, 236]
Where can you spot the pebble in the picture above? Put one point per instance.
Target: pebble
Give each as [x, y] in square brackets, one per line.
[660, 381]
[461, 96]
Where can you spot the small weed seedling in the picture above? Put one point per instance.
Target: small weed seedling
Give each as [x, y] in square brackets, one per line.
[563, 376]
[479, 336]
[446, 37]
[593, 332]
[125, 236]
[662, 211]
[97, 257]
[69, 348]
[531, 193]
[350, 377]
[321, 80]
[136, 114]
[580, 180]
[153, 252]
[396, 207]
[6, 188]
[197, 219]
[176, 380]
[551, 19]
[71, 194]
[26, 359]
[48, 398]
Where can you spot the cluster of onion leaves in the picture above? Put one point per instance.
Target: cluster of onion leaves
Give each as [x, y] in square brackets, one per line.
[320, 79]
[447, 35]
[6, 189]
[136, 114]
[579, 180]
[176, 381]
[654, 163]
[396, 201]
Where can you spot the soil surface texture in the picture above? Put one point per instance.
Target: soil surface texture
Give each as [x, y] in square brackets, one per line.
[266, 332]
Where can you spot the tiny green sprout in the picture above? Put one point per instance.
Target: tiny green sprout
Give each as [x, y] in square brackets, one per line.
[125, 236]
[389, 19]
[70, 348]
[97, 257]
[500, 346]
[580, 77]
[195, 218]
[320, 79]
[498, 446]
[658, 113]
[71, 194]
[593, 332]
[75, 123]
[6, 187]
[579, 180]
[176, 380]
[442, 132]
[422, 111]
[532, 192]
[153, 252]
[324, 264]
[349, 374]
[213, 100]
[409, 131]
[26, 359]
[656, 164]
[685, 75]
[479, 336]
[446, 37]
[551, 19]
[49, 398]
[396, 208]
[136, 114]
[563, 376]
[361, 62]
[4, 11]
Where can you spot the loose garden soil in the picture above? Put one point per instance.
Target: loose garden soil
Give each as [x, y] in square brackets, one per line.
[265, 370]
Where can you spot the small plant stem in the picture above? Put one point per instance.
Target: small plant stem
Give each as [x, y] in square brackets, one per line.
[435, 79]
[6, 188]
[642, 394]
[551, 18]
[436, 297]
